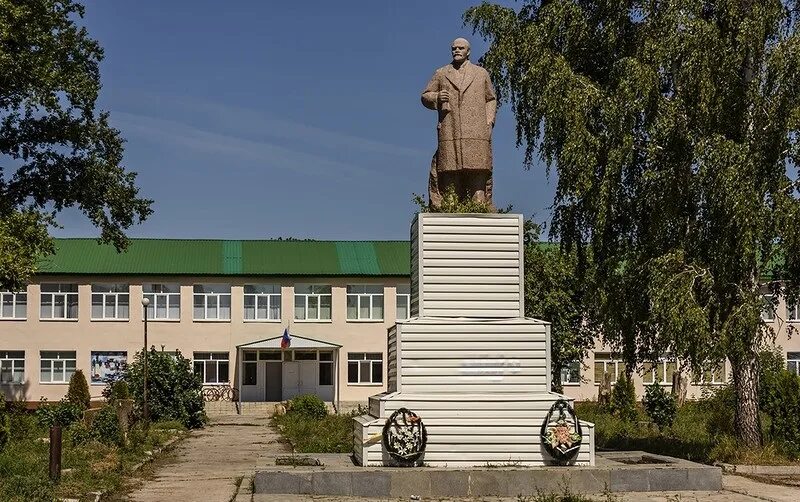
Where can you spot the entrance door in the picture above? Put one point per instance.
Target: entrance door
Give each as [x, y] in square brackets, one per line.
[291, 379]
[308, 377]
[274, 381]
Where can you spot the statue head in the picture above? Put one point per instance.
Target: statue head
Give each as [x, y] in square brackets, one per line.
[460, 50]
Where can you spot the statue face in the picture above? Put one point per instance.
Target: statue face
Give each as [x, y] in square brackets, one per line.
[460, 50]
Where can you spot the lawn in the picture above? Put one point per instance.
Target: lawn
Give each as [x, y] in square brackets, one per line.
[330, 434]
[90, 466]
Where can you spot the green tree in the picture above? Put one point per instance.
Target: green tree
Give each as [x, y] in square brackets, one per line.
[553, 293]
[673, 129]
[57, 151]
[78, 391]
[174, 392]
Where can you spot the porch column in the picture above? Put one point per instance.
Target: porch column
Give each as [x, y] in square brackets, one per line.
[336, 379]
[239, 369]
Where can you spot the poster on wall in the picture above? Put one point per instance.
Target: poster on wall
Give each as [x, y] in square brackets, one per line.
[107, 366]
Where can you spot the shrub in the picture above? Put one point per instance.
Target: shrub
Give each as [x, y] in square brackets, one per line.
[174, 392]
[79, 433]
[719, 408]
[623, 399]
[660, 405]
[62, 413]
[120, 390]
[779, 396]
[105, 426]
[5, 424]
[310, 406]
[78, 392]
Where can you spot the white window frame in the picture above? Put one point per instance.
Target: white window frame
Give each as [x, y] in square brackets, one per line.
[793, 313]
[12, 361]
[111, 296]
[360, 358]
[793, 362]
[214, 361]
[62, 356]
[649, 377]
[366, 296]
[19, 305]
[317, 293]
[767, 310]
[403, 292]
[163, 294]
[206, 296]
[617, 364]
[67, 292]
[569, 366]
[259, 299]
[699, 377]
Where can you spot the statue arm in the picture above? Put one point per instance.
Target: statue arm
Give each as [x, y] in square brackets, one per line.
[491, 101]
[430, 96]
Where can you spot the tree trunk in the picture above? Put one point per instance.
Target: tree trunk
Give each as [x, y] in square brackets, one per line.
[745, 381]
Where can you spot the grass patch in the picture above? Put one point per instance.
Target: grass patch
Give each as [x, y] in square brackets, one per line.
[702, 432]
[330, 434]
[93, 466]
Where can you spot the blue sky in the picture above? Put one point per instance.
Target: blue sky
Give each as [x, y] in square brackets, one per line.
[252, 119]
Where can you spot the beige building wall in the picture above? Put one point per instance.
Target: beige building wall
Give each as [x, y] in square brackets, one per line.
[188, 335]
[787, 338]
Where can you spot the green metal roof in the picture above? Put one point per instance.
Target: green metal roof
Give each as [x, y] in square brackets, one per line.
[231, 257]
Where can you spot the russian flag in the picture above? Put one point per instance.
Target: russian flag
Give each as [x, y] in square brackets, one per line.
[286, 340]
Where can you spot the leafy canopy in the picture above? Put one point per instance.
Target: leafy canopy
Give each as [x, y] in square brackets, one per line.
[673, 128]
[56, 150]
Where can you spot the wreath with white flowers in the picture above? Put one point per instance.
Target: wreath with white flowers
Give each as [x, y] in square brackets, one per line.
[561, 435]
[404, 436]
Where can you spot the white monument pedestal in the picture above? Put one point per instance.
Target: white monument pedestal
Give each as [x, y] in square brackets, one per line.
[468, 363]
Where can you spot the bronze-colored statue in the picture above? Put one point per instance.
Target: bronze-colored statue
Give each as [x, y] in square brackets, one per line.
[464, 97]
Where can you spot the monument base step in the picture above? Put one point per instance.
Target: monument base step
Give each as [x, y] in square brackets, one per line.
[615, 472]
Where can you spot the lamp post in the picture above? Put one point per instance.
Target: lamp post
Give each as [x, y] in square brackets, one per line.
[145, 303]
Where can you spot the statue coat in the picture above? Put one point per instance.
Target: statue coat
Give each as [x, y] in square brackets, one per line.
[465, 122]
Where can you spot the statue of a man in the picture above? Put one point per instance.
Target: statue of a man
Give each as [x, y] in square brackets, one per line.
[464, 97]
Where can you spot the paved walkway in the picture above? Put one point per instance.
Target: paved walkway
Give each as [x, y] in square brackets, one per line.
[210, 464]
[217, 464]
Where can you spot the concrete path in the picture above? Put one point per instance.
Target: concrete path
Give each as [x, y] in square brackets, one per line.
[211, 464]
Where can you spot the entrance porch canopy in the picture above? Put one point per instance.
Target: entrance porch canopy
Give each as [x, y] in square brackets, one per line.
[297, 342]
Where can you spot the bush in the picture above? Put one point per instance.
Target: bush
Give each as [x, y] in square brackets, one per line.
[623, 399]
[779, 396]
[174, 392]
[310, 406]
[120, 390]
[719, 407]
[78, 392]
[62, 413]
[105, 427]
[660, 405]
[5, 424]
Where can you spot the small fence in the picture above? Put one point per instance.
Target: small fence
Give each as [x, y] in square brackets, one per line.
[220, 393]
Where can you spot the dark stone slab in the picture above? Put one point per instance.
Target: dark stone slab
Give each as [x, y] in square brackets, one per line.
[371, 484]
[666, 479]
[450, 483]
[282, 482]
[489, 483]
[628, 480]
[332, 483]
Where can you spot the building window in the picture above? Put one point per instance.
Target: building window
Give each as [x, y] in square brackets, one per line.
[365, 302]
[660, 372]
[792, 312]
[250, 374]
[571, 373]
[364, 367]
[110, 301]
[326, 368]
[312, 302]
[13, 305]
[165, 301]
[107, 367]
[711, 375]
[262, 302]
[59, 301]
[57, 366]
[793, 362]
[211, 367]
[768, 309]
[403, 301]
[604, 363]
[12, 366]
[212, 301]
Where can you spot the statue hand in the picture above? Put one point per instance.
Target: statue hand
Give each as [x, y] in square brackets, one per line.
[444, 96]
